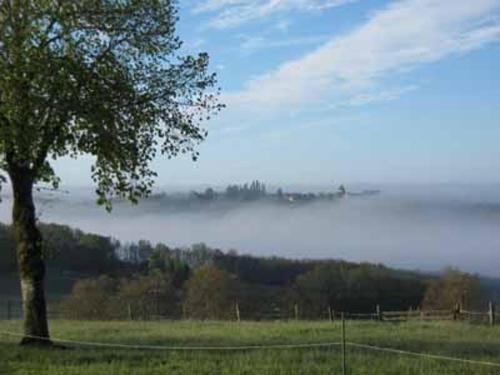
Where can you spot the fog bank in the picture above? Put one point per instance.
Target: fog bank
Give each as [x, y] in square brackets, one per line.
[423, 228]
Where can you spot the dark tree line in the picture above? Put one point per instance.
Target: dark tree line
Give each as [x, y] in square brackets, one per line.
[66, 249]
[160, 280]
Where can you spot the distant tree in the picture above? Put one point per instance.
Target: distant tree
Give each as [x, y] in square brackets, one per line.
[342, 190]
[209, 194]
[105, 298]
[163, 261]
[137, 252]
[325, 285]
[232, 192]
[144, 249]
[355, 288]
[96, 77]
[246, 192]
[92, 299]
[279, 193]
[210, 294]
[146, 296]
[199, 255]
[70, 249]
[451, 288]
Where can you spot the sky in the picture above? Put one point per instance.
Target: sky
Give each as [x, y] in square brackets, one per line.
[319, 91]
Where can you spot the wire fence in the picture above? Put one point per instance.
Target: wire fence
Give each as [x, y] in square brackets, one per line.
[343, 344]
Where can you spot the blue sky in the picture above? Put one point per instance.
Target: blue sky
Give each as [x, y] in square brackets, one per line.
[344, 90]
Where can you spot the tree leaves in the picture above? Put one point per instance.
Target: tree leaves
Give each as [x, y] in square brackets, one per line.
[102, 78]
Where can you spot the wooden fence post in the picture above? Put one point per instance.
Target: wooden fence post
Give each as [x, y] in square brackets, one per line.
[379, 313]
[456, 311]
[237, 307]
[491, 313]
[330, 313]
[129, 311]
[296, 310]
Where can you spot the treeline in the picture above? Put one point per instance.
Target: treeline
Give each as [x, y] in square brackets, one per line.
[67, 249]
[139, 280]
[245, 192]
[256, 190]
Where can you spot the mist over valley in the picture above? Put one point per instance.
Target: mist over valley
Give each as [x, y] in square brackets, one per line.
[411, 227]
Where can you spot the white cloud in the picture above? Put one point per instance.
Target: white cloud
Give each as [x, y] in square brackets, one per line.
[379, 96]
[254, 43]
[401, 36]
[232, 13]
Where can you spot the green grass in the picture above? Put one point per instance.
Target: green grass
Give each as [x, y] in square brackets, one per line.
[446, 338]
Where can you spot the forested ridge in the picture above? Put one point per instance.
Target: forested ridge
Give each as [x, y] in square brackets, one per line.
[158, 279]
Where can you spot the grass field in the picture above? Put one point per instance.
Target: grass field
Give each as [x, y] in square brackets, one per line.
[447, 338]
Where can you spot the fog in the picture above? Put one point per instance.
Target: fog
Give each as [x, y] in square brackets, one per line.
[424, 228]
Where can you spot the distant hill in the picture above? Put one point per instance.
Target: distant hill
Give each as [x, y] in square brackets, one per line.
[72, 254]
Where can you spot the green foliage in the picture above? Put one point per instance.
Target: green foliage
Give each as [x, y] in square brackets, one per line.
[102, 78]
[263, 270]
[162, 262]
[210, 294]
[73, 250]
[355, 288]
[67, 249]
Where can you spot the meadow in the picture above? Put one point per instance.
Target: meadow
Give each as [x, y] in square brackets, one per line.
[454, 339]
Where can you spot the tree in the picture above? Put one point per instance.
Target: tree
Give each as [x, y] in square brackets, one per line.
[210, 294]
[147, 296]
[98, 77]
[163, 261]
[452, 288]
[8, 250]
[341, 190]
[92, 299]
[279, 193]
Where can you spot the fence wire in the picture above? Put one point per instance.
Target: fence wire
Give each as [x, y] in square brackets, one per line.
[258, 347]
[422, 355]
[174, 348]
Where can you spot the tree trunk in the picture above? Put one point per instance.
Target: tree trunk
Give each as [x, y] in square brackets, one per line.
[30, 262]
